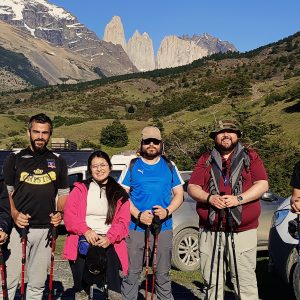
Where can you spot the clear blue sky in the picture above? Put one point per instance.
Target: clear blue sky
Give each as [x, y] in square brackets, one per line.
[247, 24]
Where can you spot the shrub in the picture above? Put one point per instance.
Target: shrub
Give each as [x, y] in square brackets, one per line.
[114, 135]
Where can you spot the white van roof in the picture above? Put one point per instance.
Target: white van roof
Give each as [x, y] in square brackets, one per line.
[121, 159]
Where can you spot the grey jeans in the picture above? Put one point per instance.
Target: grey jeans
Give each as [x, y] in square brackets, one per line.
[136, 247]
[37, 263]
[245, 250]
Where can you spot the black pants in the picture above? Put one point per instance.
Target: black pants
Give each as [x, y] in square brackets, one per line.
[112, 272]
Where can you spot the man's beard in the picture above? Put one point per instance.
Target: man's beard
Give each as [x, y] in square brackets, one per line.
[151, 154]
[226, 149]
[38, 149]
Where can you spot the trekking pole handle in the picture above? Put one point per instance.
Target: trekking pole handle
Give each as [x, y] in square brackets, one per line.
[229, 218]
[53, 232]
[147, 231]
[24, 233]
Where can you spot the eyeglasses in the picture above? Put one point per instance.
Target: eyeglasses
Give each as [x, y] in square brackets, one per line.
[101, 166]
[151, 140]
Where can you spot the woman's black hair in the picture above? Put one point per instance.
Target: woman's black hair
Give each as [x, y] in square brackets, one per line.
[114, 191]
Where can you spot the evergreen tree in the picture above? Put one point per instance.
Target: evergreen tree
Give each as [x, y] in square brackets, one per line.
[114, 135]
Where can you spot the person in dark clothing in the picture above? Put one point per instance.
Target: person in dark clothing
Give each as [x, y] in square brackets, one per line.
[295, 183]
[5, 218]
[34, 176]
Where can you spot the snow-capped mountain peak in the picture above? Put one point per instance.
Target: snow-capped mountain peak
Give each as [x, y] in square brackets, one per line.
[16, 9]
[54, 24]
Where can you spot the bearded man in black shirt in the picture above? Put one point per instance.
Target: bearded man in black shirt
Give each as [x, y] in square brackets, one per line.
[34, 177]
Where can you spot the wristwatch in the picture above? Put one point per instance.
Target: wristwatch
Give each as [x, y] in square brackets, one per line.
[240, 198]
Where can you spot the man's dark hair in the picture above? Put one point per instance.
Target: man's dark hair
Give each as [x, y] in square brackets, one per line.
[40, 118]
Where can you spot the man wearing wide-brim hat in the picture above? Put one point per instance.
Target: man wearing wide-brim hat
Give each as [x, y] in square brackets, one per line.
[227, 183]
[226, 125]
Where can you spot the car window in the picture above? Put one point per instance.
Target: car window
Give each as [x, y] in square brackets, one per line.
[115, 174]
[73, 178]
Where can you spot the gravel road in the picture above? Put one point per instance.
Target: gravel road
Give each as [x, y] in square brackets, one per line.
[63, 287]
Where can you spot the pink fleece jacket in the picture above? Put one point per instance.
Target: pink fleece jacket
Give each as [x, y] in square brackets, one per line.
[74, 219]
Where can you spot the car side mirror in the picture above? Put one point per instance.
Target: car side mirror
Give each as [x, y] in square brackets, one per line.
[269, 197]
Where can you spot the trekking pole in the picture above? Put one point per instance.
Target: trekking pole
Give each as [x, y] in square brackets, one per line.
[230, 224]
[147, 261]
[53, 242]
[24, 245]
[156, 225]
[91, 292]
[3, 276]
[220, 226]
[154, 265]
[106, 291]
[211, 266]
[298, 246]
[298, 231]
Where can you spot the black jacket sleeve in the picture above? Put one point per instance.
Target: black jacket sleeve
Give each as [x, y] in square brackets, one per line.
[5, 213]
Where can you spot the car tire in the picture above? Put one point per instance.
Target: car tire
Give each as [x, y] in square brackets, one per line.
[185, 255]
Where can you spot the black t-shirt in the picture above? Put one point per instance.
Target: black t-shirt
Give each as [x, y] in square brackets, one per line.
[36, 178]
[295, 180]
[5, 219]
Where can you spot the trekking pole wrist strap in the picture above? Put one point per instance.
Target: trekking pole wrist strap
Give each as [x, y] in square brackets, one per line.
[167, 211]
[138, 219]
[208, 198]
[139, 216]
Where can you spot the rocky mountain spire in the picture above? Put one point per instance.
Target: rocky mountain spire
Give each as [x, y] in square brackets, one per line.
[114, 32]
[140, 51]
[175, 51]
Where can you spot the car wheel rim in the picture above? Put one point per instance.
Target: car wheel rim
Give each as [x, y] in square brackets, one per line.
[188, 250]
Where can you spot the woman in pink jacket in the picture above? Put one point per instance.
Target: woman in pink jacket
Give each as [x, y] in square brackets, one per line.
[99, 210]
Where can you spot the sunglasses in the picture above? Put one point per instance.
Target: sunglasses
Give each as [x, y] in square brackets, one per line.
[151, 140]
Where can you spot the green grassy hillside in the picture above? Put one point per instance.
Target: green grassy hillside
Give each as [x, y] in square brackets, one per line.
[260, 88]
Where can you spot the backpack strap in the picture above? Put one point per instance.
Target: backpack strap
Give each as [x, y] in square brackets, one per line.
[246, 159]
[131, 165]
[169, 163]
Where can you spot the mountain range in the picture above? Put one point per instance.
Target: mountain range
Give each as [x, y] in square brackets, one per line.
[57, 47]
[174, 51]
[61, 29]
